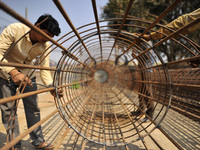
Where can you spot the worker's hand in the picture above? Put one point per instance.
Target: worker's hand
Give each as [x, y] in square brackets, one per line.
[60, 93]
[147, 37]
[137, 39]
[18, 78]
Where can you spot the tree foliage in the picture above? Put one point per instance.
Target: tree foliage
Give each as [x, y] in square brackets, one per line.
[150, 10]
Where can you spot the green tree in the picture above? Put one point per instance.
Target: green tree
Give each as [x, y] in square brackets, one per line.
[149, 10]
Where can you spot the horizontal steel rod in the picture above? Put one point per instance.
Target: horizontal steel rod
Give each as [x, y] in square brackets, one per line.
[23, 95]
[29, 130]
[167, 84]
[185, 112]
[171, 63]
[175, 33]
[9, 64]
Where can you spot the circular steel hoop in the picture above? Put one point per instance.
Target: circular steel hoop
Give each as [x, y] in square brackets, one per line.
[101, 99]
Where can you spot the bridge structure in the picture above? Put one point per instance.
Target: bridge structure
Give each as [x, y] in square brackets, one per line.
[107, 77]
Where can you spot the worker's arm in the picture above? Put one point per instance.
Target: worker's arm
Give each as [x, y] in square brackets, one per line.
[177, 24]
[7, 38]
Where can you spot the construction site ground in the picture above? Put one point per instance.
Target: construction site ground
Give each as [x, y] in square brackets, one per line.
[188, 135]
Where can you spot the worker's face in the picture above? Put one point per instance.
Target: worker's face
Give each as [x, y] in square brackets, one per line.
[42, 39]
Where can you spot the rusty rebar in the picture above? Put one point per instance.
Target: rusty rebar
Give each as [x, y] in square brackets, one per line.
[18, 17]
[100, 110]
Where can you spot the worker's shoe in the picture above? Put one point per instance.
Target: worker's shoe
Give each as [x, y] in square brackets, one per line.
[145, 119]
[136, 114]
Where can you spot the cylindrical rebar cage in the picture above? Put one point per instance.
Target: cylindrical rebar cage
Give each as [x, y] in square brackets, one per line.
[112, 83]
[105, 92]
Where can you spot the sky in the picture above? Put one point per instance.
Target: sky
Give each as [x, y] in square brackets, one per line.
[79, 11]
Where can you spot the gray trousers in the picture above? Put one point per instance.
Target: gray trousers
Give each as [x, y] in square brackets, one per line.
[32, 111]
[144, 102]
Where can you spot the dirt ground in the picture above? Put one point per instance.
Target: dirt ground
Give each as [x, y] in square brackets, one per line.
[56, 125]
